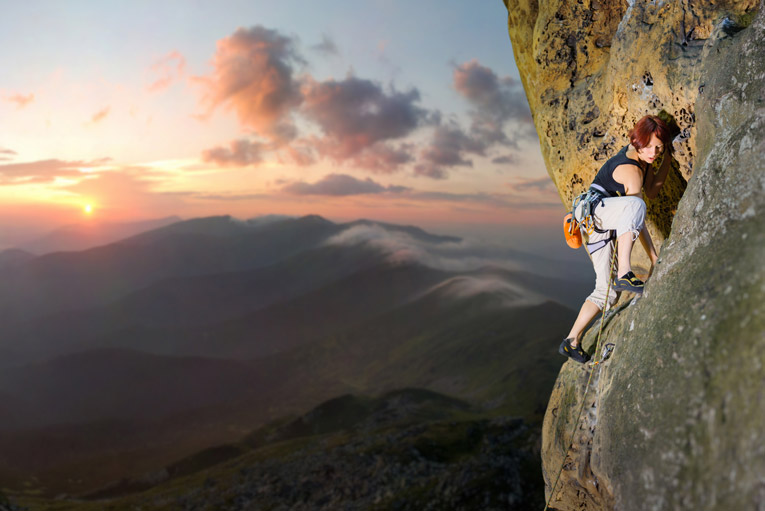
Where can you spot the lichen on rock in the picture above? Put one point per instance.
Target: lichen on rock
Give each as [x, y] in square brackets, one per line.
[675, 419]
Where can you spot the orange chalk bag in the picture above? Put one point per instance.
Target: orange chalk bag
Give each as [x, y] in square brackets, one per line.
[571, 231]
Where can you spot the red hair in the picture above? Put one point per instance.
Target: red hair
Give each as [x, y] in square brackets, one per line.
[640, 135]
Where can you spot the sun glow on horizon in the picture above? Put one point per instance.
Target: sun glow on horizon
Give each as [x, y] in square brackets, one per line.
[88, 209]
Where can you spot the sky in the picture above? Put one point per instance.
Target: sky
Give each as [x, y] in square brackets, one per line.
[404, 112]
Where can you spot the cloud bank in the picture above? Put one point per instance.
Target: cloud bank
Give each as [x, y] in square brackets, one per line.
[448, 147]
[340, 185]
[240, 153]
[21, 100]
[503, 292]
[254, 76]
[402, 247]
[496, 102]
[353, 121]
[43, 171]
[7, 154]
[355, 114]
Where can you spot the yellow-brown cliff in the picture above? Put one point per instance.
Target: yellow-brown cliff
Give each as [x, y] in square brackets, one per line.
[675, 419]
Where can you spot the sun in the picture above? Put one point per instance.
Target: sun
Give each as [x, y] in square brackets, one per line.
[88, 209]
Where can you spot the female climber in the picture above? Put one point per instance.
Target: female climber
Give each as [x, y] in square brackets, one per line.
[617, 205]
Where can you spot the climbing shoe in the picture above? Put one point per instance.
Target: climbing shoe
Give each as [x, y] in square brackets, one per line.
[574, 353]
[629, 282]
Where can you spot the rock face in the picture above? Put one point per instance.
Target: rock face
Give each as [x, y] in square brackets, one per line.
[675, 419]
[591, 68]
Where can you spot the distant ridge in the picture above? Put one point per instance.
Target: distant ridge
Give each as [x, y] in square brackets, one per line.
[66, 281]
[91, 234]
[13, 257]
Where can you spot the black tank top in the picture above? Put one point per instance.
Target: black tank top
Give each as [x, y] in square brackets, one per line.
[605, 176]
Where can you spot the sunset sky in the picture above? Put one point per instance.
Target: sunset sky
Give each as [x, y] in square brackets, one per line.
[407, 112]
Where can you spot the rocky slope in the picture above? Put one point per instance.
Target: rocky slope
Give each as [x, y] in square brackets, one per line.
[409, 449]
[674, 419]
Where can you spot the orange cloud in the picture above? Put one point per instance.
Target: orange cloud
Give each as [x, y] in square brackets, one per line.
[254, 76]
[7, 154]
[170, 69]
[43, 171]
[21, 100]
[100, 115]
[340, 185]
[356, 122]
[301, 155]
[240, 153]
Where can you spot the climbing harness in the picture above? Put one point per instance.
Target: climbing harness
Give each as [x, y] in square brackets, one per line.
[606, 353]
[581, 218]
[597, 245]
[584, 206]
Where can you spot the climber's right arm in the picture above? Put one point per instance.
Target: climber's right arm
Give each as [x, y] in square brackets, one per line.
[654, 182]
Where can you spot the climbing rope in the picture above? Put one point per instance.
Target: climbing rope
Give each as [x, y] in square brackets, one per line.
[587, 388]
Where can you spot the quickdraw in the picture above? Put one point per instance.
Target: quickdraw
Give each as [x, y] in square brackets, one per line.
[606, 353]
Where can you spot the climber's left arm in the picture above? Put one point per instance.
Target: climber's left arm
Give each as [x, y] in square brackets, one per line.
[654, 182]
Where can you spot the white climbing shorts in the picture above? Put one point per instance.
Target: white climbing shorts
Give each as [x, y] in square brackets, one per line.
[621, 214]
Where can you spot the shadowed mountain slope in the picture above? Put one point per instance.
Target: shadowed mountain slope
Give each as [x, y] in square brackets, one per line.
[476, 347]
[14, 257]
[281, 326]
[155, 316]
[407, 449]
[124, 384]
[419, 327]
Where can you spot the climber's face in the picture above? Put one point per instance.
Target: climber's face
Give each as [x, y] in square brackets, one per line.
[652, 150]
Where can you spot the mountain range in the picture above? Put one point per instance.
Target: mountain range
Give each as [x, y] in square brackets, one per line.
[89, 234]
[187, 336]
